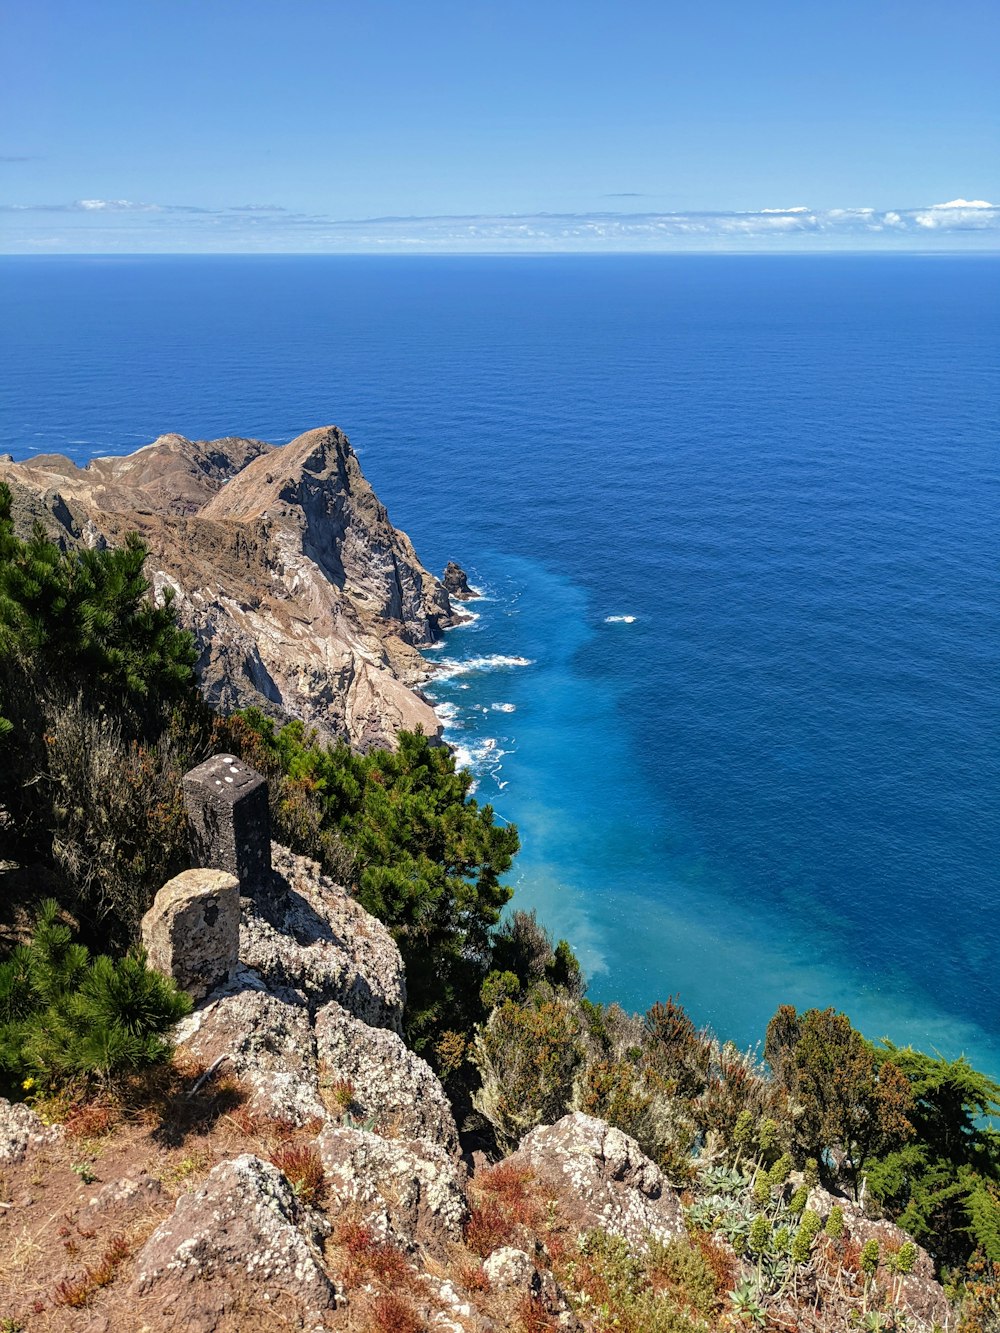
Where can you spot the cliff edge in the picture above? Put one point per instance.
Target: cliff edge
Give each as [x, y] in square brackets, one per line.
[304, 600]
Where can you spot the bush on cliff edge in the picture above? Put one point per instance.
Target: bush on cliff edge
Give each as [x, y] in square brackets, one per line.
[423, 855]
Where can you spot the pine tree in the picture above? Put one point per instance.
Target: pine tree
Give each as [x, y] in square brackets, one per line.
[66, 1016]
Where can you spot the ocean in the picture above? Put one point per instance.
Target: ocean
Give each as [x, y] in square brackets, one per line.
[734, 673]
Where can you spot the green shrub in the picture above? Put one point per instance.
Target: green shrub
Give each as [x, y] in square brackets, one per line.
[528, 1056]
[850, 1105]
[67, 1016]
[619, 1286]
[88, 617]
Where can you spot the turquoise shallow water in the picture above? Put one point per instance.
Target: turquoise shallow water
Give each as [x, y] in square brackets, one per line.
[779, 781]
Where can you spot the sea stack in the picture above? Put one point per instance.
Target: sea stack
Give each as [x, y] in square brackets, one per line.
[456, 582]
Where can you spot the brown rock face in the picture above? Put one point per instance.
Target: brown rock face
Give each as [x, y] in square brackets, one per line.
[304, 599]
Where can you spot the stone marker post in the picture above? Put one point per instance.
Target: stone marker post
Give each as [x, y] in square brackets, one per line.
[229, 820]
[192, 930]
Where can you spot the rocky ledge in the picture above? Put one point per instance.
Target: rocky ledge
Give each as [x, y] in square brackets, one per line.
[303, 598]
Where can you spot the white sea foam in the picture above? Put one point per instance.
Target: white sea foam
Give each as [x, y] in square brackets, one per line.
[463, 757]
[619, 620]
[503, 708]
[448, 713]
[449, 667]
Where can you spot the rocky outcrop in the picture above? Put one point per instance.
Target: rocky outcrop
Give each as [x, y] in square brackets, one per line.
[242, 1236]
[408, 1192]
[303, 941]
[456, 583]
[390, 1085]
[600, 1177]
[309, 934]
[21, 1129]
[303, 598]
[266, 1039]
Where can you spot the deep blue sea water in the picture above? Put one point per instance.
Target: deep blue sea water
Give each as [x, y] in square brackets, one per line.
[779, 778]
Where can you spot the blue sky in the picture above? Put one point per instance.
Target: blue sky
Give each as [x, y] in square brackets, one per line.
[249, 125]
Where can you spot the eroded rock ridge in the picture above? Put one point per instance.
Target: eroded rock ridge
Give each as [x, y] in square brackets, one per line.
[303, 598]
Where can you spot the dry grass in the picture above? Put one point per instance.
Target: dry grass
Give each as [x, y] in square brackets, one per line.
[302, 1167]
[391, 1313]
[503, 1206]
[369, 1259]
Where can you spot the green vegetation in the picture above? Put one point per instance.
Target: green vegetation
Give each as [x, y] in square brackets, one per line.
[944, 1185]
[65, 1016]
[843, 1097]
[95, 679]
[84, 618]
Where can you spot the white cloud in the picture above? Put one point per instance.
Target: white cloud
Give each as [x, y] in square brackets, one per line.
[965, 203]
[115, 206]
[124, 224]
[959, 215]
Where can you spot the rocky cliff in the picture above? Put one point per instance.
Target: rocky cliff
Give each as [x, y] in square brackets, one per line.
[303, 597]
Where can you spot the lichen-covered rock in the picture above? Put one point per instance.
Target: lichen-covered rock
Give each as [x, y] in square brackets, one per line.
[308, 933]
[242, 1239]
[448, 1311]
[123, 1193]
[391, 1086]
[918, 1291]
[509, 1269]
[408, 1192]
[192, 930]
[600, 1177]
[512, 1271]
[21, 1129]
[267, 1039]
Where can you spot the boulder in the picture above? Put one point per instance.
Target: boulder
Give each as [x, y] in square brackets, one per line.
[391, 1086]
[192, 930]
[241, 1240]
[267, 1040]
[407, 1192]
[308, 933]
[511, 1271]
[600, 1177]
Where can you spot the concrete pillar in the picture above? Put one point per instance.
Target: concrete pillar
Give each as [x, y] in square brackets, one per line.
[229, 820]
